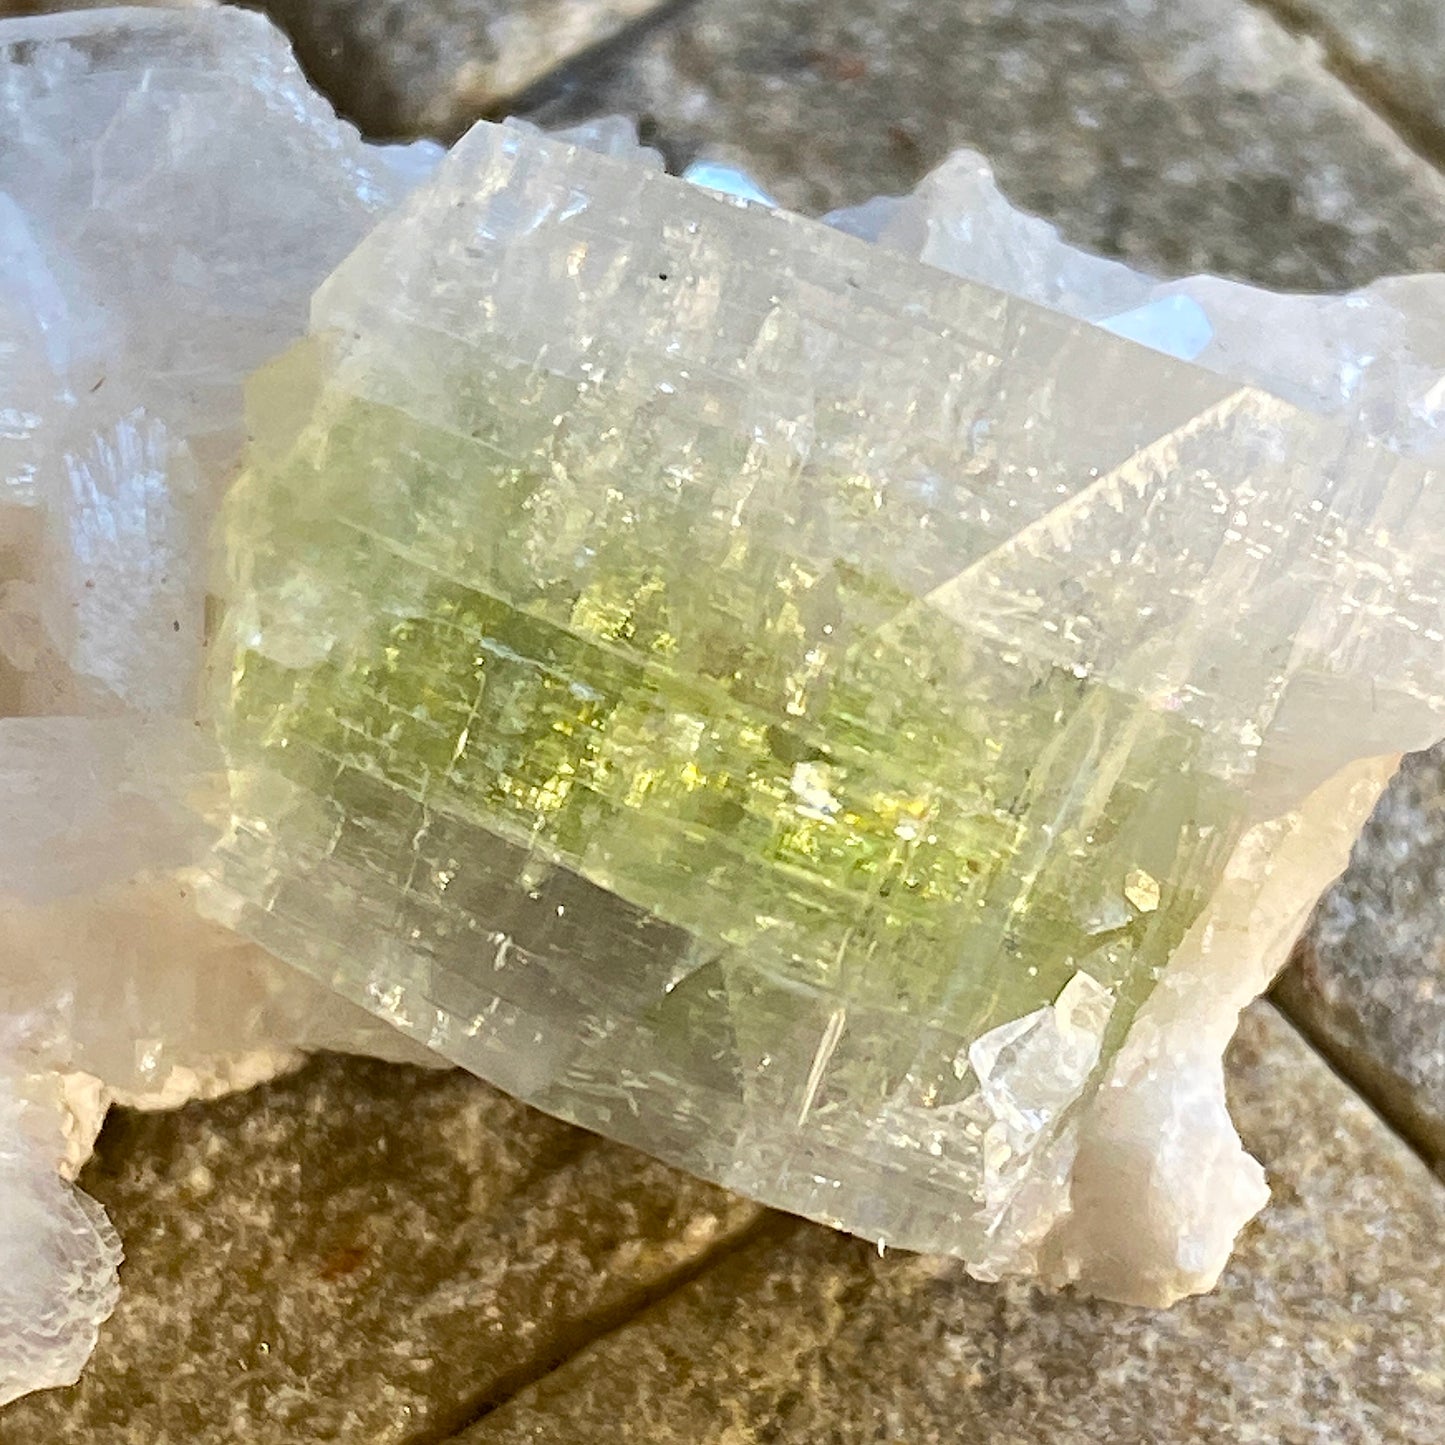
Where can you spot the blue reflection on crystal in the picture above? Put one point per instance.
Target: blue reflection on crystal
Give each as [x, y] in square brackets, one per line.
[728, 180]
[1175, 325]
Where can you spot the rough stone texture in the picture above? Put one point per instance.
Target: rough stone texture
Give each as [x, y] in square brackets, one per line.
[360, 1252]
[1182, 134]
[398, 68]
[1393, 49]
[1369, 976]
[1323, 1329]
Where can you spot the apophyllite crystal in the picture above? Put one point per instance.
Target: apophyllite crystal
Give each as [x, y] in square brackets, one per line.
[847, 729]
[803, 714]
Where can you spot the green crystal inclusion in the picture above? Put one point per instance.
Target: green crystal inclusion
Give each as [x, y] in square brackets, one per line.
[787, 755]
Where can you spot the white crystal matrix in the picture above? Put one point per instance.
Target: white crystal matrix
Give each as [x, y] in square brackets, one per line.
[171, 192]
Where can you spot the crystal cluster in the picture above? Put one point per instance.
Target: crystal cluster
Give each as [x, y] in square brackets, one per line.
[170, 194]
[857, 731]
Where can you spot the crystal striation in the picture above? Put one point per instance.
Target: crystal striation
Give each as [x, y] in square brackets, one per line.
[847, 730]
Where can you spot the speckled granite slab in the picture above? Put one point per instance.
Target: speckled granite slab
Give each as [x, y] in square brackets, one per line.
[399, 68]
[1368, 978]
[361, 1252]
[1392, 49]
[1183, 135]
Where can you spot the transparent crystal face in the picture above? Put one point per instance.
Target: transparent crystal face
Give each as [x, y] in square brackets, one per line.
[717, 679]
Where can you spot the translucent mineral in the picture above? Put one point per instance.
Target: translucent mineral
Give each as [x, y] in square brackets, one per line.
[170, 194]
[855, 732]
[844, 728]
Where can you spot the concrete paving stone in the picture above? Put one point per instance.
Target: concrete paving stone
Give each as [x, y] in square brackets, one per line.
[360, 1252]
[1392, 49]
[1368, 979]
[1184, 135]
[1325, 1327]
[401, 69]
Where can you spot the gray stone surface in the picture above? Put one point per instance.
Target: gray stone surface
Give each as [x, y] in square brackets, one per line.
[1183, 134]
[1324, 1328]
[399, 68]
[360, 1252]
[1368, 980]
[1394, 50]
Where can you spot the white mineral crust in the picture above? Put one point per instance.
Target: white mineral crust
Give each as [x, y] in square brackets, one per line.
[171, 193]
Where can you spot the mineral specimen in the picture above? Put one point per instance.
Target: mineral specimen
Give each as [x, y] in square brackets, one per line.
[836, 725]
[848, 731]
